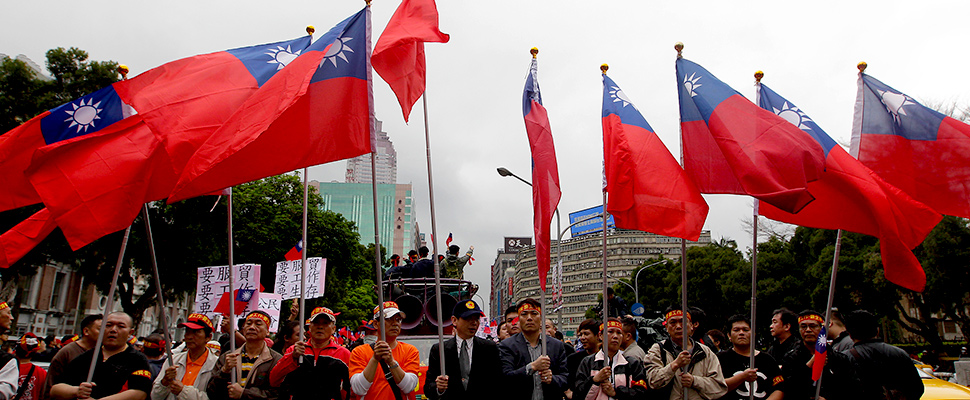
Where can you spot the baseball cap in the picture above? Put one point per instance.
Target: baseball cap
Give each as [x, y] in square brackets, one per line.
[322, 311]
[368, 325]
[29, 342]
[390, 309]
[198, 321]
[467, 309]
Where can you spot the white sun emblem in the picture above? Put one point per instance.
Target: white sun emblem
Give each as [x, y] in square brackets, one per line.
[83, 115]
[895, 102]
[337, 50]
[690, 83]
[618, 96]
[281, 57]
[792, 114]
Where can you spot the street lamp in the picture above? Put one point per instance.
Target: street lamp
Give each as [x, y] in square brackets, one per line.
[616, 279]
[636, 280]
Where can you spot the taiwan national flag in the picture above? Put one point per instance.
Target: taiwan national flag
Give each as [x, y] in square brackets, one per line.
[448, 240]
[19, 240]
[83, 116]
[849, 196]
[296, 253]
[732, 146]
[917, 149]
[821, 348]
[244, 298]
[545, 169]
[96, 183]
[316, 110]
[648, 190]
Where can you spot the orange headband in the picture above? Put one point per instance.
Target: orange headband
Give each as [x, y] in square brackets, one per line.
[812, 317]
[612, 324]
[528, 307]
[256, 315]
[4, 305]
[150, 345]
[675, 313]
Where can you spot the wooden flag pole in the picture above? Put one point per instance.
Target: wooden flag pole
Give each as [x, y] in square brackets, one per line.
[158, 286]
[108, 305]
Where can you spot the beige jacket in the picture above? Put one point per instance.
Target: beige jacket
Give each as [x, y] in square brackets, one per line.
[194, 392]
[704, 367]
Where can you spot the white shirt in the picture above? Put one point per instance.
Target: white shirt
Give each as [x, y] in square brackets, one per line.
[471, 345]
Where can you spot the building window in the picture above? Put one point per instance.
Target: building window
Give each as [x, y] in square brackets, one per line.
[56, 291]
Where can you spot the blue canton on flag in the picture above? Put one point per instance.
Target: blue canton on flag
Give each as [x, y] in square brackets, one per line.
[85, 115]
[263, 61]
[245, 294]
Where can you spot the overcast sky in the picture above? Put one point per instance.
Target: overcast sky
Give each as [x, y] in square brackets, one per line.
[808, 51]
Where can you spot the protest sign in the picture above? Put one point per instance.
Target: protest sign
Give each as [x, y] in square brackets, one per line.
[214, 281]
[288, 278]
[271, 303]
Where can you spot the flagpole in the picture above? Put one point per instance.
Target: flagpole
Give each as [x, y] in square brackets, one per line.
[434, 237]
[373, 175]
[754, 256]
[828, 307]
[683, 252]
[232, 297]
[108, 304]
[542, 290]
[303, 251]
[606, 302]
[158, 284]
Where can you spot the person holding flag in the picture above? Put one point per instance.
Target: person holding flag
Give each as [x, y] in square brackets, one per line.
[529, 374]
[803, 366]
[389, 369]
[702, 378]
[323, 372]
[621, 378]
[193, 368]
[453, 267]
[255, 359]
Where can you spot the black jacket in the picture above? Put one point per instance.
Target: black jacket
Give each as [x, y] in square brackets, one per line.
[839, 379]
[881, 366]
[486, 371]
[518, 383]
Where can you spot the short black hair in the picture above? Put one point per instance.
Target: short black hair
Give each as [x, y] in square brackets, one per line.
[862, 325]
[510, 310]
[697, 315]
[413, 253]
[787, 316]
[90, 319]
[530, 301]
[453, 249]
[395, 256]
[609, 291]
[629, 326]
[49, 339]
[423, 251]
[593, 325]
[836, 317]
[287, 329]
[737, 318]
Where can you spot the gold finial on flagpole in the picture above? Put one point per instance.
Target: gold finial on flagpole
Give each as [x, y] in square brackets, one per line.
[123, 70]
[862, 66]
[758, 75]
[679, 46]
[310, 29]
[534, 51]
[368, 2]
[604, 68]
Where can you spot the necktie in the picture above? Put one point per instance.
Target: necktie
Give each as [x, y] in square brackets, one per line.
[464, 363]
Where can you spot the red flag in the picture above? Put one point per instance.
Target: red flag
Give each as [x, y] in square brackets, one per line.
[19, 240]
[16, 148]
[399, 54]
[296, 253]
[648, 190]
[241, 299]
[545, 169]
[96, 184]
[314, 111]
[852, 197]
[732, 146]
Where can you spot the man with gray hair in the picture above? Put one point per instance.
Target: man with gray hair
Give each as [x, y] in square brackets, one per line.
[121, 373]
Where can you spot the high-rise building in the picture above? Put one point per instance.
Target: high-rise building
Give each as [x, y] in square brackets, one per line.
[503, 270]
[359, 168]
[398, 226]
[39, 72]
[583, 268]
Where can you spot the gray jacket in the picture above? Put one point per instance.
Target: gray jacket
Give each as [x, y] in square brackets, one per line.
[194, 392]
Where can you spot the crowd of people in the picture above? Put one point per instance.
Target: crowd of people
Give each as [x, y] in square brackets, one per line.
[527, 361]
[418, 265]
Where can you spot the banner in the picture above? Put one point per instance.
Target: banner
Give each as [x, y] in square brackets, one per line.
[557, 299]
[271, 303]
[214, 281]
[288, 278]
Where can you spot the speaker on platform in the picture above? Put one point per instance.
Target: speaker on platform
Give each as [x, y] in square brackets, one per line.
[413, 310]
[447, 305]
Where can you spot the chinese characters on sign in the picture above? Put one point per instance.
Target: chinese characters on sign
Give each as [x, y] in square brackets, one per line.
[288, 278]
[214, 281]
[271, 303]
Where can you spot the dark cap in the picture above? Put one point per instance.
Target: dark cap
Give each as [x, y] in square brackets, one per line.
[467, 309]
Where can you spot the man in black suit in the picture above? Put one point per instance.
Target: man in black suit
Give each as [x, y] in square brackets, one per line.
[529, 375]
[471, 363]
